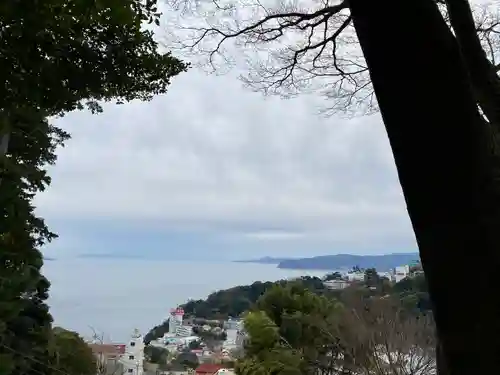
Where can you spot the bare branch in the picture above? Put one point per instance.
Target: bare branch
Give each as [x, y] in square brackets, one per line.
[290, 46]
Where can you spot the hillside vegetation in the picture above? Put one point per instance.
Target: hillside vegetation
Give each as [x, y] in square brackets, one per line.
[233, 302]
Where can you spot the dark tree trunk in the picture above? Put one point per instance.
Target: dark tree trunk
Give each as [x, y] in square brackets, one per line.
[444, 156]
[482, 72]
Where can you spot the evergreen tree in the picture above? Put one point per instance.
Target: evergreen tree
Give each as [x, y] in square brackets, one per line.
[57, 56]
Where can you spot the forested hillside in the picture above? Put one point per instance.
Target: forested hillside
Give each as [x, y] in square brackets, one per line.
[233, 302]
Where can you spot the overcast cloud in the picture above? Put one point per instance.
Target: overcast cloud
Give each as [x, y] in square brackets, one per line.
[211, 169]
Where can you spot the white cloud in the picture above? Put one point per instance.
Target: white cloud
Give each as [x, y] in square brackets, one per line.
[212, 155]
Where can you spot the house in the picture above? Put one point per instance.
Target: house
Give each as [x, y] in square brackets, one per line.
[112, 359]
[108, 358]
[107, 351]
[336, 284]
[208, 369]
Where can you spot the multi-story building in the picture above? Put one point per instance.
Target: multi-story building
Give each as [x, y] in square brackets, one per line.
[133, 358]
[184, 331]
[336, 284]
[175, 320]
[120, 359]
[355, 276]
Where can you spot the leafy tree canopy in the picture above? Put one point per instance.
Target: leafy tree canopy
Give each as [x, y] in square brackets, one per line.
[60, 52]
[72, 355]
[225, 303]
[156, 354]
[57, 56]
[295, 331]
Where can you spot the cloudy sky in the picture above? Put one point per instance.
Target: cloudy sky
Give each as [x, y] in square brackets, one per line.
[214, 171]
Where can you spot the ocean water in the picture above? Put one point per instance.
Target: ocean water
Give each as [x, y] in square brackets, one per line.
[114, 296]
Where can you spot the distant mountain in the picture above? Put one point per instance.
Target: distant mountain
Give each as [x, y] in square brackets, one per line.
[343, 261]
[109, 255]
[265, 260]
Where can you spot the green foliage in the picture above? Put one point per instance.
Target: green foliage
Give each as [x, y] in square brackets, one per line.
[266, 352]
[71, 354]
[25, 322]
[263, 332]
[372, 278]
[155, 354]
[194, 345]
[295, 322]
[413, 293]
[156, 332]
[57, 56]
[213, 335]
[61, 52]
[235, 301]
[289, 330]
[277, 361]
[293, 330]
[187, 360]
[334, 276]
[224, 303]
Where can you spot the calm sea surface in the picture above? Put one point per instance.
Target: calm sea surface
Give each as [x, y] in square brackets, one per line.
[114, 296]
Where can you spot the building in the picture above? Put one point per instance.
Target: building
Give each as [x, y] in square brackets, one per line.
[241, 337]
[208, 369]
[133, 358]
[225, 371]
[184, 331]
[355, 276]
[113, 359]
[105, 352]
[108, 358]
[175, 320]
[231, 339]
[336, 284]
[401, 273]
[233, 323]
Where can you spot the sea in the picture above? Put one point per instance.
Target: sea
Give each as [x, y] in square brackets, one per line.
[112, 297]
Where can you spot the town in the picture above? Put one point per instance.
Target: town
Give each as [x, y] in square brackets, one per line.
[198, 346]
[191, 346]
[341, 280]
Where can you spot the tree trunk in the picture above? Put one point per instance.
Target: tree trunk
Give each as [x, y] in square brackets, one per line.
[443, 151]
[4, 147]
[482, 72]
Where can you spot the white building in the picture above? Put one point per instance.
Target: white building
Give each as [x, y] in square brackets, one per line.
[355, 276]
[175, 320]
[133, 358]
[336, 284]
[401, 273]
[232, 323]
[231, 340]
[184, 331]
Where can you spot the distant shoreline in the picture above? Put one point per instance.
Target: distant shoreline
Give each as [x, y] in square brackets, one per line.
[339, 261]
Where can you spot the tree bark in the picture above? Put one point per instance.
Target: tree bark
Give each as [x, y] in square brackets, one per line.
[444, 155]
[482, 72]
[4, 147]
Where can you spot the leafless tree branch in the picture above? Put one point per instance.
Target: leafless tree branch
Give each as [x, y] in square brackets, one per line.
[291, 46]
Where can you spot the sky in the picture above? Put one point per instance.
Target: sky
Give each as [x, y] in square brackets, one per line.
[212, 170]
